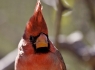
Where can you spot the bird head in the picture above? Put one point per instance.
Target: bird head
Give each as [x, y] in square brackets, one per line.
[36, 30]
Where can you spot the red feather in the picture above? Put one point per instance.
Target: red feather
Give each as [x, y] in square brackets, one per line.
[36, 24]
[27, 59]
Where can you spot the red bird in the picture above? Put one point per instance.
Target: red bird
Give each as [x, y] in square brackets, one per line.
[35, 50]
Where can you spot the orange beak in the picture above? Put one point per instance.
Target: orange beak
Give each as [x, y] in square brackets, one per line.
[41, 41]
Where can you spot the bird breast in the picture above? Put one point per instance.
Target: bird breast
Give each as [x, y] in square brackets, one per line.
[47, 61]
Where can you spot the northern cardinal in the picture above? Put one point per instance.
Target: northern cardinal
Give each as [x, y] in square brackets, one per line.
[35, 50]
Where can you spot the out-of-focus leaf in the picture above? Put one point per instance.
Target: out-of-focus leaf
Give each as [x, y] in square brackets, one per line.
[52, 3]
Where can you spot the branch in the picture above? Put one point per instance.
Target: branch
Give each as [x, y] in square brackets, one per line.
[60, 9]
[91, 7]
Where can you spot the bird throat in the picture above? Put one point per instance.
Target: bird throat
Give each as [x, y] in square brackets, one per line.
[42, 50]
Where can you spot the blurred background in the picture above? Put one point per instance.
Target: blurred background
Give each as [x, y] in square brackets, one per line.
[71, 25]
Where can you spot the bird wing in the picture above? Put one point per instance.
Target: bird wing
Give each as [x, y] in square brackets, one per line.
[61, 59]
[58, 54]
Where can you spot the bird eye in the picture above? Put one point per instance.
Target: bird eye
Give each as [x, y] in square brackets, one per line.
[31, 39]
